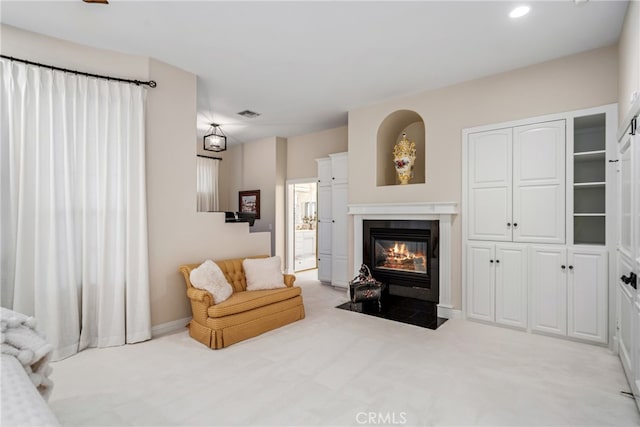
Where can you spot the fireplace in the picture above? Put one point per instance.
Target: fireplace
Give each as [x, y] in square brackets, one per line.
[403, 254]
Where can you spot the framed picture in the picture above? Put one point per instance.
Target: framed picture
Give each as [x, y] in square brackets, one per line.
[249, 202]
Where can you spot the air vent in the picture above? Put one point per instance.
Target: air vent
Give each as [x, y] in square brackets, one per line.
[249, 114]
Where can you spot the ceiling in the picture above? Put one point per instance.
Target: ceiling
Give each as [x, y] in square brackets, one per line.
[303, 65]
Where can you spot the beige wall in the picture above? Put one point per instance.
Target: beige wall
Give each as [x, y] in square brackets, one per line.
[258, 165]
[302, 150]
[629, 51]
[177, 233]
[574, 82]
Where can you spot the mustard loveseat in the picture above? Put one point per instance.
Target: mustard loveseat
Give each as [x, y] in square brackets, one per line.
[245, 314]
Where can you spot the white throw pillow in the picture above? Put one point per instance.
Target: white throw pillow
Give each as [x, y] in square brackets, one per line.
[263, 273]
[209, 277]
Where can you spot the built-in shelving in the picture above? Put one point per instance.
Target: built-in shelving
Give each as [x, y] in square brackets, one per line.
[589, 180]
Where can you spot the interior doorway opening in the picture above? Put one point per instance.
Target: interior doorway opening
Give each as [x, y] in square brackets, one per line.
[302, 229]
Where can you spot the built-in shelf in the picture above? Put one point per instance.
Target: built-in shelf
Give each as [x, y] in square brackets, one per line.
[589, 175]
[589, 184]
[587, 156]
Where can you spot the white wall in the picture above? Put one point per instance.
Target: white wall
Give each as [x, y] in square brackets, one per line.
[177, 233]
[584, 80]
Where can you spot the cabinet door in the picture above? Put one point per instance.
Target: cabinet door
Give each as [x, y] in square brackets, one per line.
[339, 168]
[324, 268]
[339, 245]
[511, 285]
[324, 220]
[480, 281]
[539, 183]
[489, 162]
[587, 295]
[324, 171]
[548, 289]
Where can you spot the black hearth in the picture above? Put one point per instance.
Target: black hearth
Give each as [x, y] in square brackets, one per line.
[404, 255]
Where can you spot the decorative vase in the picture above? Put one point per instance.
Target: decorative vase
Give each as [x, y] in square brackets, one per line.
[404, 158]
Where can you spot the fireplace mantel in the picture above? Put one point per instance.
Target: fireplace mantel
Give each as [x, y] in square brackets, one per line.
[441, 211]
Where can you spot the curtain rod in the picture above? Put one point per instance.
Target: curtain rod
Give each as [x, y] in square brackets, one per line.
[150, 83]
[207, 157]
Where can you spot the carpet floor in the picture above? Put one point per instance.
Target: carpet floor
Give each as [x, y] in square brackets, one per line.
[338, 367]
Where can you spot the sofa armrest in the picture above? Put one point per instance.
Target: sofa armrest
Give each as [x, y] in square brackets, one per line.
[289, 279]
[200, 295]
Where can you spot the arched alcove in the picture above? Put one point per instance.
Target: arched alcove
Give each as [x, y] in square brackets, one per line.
[389, 133]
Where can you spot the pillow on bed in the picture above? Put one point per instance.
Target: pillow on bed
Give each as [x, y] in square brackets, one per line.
[263, 273]
[209, 277]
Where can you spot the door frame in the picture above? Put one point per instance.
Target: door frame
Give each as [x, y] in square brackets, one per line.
[290, 223]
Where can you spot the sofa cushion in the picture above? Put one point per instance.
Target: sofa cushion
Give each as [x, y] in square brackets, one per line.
[209, 277]
[249, 300]
[263, 273]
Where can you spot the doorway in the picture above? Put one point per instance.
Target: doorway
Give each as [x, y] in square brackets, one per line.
[302, 229]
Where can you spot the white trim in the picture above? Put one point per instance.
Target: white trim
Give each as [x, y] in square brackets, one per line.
[440, 211]
[168, 327]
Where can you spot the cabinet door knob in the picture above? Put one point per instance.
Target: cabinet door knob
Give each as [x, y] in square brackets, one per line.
[491, 261]
[563, 267]
[571, 267]
[333, 220]
[333, 177]
[508, 224]
[515, 224]
[498, 261]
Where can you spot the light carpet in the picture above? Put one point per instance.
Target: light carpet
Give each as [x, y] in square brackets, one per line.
[342, 368]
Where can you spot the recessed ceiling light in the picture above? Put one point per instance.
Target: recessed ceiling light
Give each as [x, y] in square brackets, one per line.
[519, 11]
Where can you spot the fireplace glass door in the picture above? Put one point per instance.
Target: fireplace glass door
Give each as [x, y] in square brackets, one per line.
[401, 255]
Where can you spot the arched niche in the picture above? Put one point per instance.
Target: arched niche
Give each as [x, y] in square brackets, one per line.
[389, 132]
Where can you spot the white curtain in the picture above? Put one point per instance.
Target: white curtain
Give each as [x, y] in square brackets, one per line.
[207, 185]
[73, 217]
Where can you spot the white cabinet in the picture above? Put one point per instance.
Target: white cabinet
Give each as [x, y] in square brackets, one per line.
[517, 183]
[539, 182]
[324, 219]
[587, 295]
[332, 219]
[497, 283]
[490, 178]
[548, 286]
[539, 195]
[569, 292]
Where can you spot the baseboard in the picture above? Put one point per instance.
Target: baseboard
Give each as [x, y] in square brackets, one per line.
[448, 312]
[165, 328]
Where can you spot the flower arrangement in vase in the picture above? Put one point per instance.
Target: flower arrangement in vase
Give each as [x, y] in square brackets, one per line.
[404, 158]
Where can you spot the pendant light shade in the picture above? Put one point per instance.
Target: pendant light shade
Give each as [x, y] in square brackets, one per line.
[216, 140]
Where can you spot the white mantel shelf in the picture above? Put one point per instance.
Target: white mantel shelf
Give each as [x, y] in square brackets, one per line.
[439, 208]
[440, 211]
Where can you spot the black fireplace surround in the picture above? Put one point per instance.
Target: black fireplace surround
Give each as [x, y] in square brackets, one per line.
[403, 254]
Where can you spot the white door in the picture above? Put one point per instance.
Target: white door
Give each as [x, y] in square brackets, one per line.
[539, 183]
[625, 233]
[587, 294]
[511, 285]
[548, 289]
[626, 319]
[490, 160]
[480, 281]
